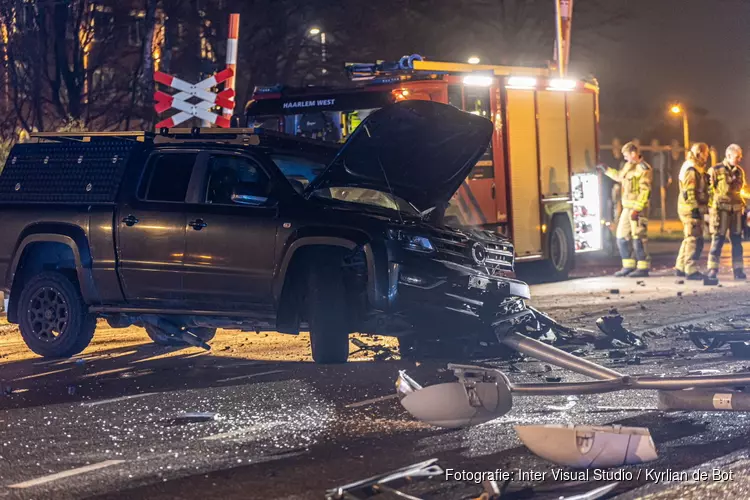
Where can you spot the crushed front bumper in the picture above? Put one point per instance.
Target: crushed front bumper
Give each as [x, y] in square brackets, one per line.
[455, 290]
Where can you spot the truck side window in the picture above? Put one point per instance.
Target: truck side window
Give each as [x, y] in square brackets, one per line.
[229, 174]
[167, 177]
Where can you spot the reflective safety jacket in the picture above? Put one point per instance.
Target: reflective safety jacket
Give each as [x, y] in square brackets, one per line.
[636, 180]
[725, 185]
[693, 189]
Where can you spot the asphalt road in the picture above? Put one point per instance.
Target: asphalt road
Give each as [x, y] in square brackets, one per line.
[138, 421]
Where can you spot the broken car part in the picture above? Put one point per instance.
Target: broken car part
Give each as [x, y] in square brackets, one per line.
[379, 484]
[484, 394]
[612, 327]
[710, 341]
[584, 446]
[170, 329]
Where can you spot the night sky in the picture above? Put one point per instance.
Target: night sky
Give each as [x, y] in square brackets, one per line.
[696, 51]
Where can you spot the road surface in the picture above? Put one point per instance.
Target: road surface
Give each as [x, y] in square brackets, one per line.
[254, 418]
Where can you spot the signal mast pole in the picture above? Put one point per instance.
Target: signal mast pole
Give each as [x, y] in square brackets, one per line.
[563, 17]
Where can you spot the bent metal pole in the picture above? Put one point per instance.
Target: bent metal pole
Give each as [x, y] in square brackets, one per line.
[557, 357]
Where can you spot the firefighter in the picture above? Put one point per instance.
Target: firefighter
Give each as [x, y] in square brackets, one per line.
[692, 206]
[635, 177]
[726, 182]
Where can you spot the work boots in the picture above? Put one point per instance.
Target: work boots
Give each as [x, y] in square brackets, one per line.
[696, 276]
[625, 271]
[639, 273]
[739, 274]
[679, 273]
[712, 274]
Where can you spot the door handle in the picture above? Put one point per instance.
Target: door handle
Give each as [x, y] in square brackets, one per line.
[130, 220]
[493, 190]
[197, 224]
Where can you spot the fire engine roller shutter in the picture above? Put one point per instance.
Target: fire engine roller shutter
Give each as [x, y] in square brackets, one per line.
[582, 132]
[553, 144]
[524, 172]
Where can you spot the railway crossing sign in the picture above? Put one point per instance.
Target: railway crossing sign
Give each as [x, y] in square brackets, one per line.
[188, 91]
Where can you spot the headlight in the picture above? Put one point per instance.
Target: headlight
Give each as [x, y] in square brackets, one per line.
[411, 241]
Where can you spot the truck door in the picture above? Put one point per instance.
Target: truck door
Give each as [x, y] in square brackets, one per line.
[151, 230]
[231, 233]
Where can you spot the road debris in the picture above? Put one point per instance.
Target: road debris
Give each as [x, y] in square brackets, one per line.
[617, 354]
[710, 281]
[192, 418]
[612, 327]
[615, 291]
[480, 395]
[583, 446]
[377, 351]
[390, 482]
[572, 401]
[660, 354]
[740, 350]
[709, 341]
[680, 282]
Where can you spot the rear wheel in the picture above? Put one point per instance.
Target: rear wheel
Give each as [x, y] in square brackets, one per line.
[52, 316]
[561, 249]
[327, 311]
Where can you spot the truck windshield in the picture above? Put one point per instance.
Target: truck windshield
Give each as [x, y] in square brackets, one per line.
[301, 171]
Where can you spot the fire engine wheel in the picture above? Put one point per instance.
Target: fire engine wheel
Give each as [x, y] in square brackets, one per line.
[327, 310]
[561, 249]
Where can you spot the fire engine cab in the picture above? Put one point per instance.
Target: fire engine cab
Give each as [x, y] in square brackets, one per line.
[537, 181]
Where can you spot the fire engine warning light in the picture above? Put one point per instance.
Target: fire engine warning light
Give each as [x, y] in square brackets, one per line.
[562, 84]
[521, 82]
[478, 81]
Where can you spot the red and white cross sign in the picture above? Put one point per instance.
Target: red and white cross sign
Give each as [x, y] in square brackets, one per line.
[187, 90]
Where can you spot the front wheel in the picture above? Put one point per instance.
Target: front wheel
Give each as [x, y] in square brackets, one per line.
[327, 311]
[53, 318]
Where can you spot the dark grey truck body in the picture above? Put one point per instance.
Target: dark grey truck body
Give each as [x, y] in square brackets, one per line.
[81, 208]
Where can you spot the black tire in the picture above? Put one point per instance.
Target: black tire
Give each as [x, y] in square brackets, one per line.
[52, 316]
[327, 312]
[561, 250]
[161, 337]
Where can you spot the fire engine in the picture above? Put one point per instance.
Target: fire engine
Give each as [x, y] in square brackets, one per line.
[537, 181]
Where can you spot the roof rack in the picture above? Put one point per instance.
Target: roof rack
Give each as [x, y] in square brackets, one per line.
[240, 136]
[137, 136]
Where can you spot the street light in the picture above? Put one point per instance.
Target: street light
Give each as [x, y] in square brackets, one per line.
[315, 31]
[473, 60]
[678, 109]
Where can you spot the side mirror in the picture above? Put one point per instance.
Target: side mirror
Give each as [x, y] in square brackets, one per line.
[247, 194]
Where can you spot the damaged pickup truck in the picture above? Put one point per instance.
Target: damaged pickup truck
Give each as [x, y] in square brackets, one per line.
[186, 231]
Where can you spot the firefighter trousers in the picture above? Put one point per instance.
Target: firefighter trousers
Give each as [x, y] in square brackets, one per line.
[723, 221]
[692, 245]
[635, 233]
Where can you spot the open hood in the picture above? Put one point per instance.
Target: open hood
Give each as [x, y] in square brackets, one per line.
[420, 151]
